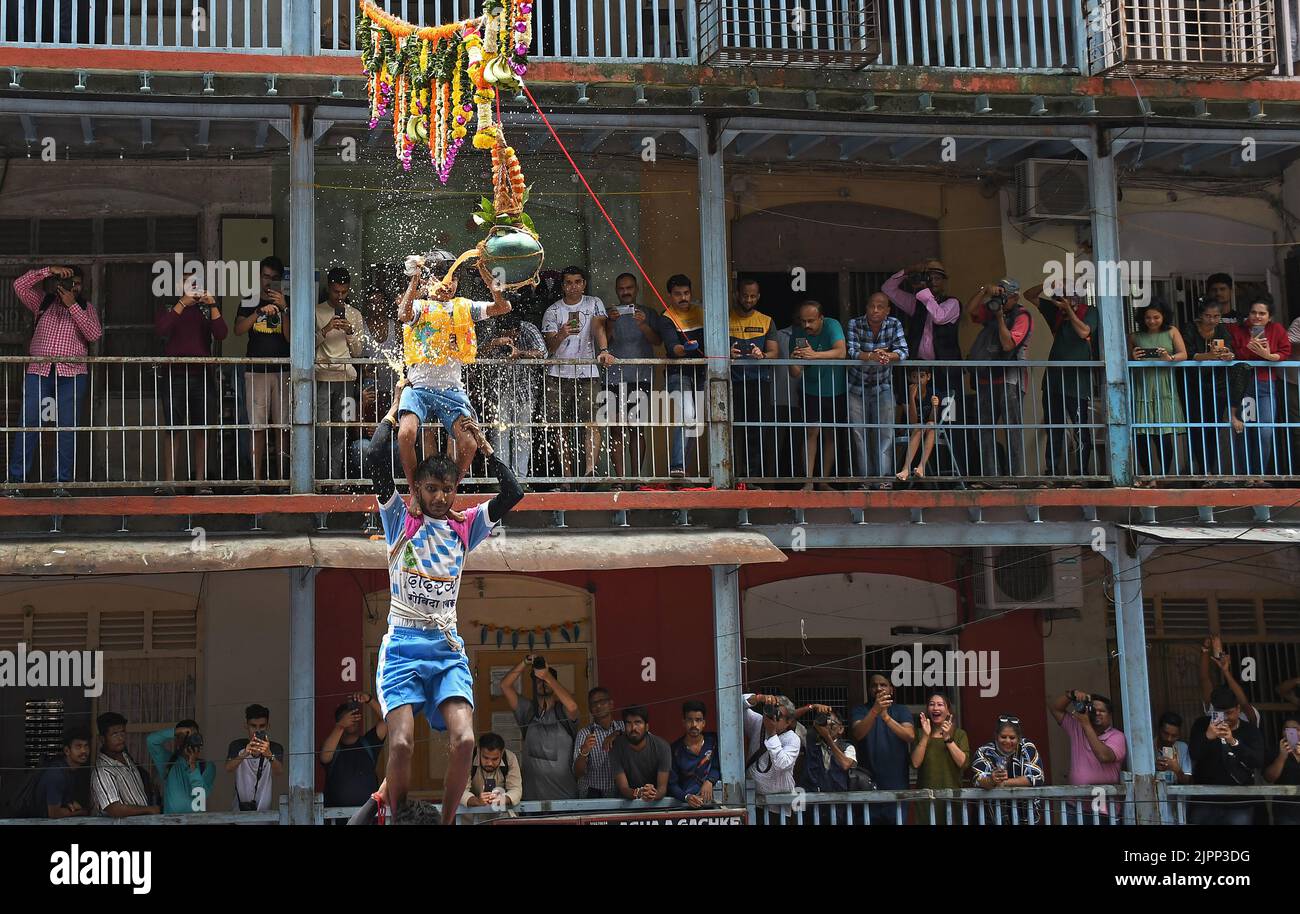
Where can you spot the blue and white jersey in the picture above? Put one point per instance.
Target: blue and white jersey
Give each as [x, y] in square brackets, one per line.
[425, 560]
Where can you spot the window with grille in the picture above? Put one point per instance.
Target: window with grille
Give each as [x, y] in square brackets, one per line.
[150, 674]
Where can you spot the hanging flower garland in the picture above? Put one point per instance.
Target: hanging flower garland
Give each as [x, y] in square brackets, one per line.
[432, 81]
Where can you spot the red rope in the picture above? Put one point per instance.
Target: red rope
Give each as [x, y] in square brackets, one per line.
[596, 199]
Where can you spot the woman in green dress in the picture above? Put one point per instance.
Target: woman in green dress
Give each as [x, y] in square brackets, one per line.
[939, 755]
[1157, 408]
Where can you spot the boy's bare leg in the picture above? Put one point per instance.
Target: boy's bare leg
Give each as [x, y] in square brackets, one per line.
[408, 427]
[401, 745]
[459, 715]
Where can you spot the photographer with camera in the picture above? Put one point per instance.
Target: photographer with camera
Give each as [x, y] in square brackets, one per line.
[189, 393]
[1227, 751]
[930, 329]
[771, 743]
[1097, 749]
[830, 762]
[999, 392]
[548, 722]
[350, 752]
[65, 326]
[185, 776]
[267, 385]
[1075, 327]
[254, 761]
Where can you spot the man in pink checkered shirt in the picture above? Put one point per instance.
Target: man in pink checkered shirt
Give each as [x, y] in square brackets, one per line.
[66, 324]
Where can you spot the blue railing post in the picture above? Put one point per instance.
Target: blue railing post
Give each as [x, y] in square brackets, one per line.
[1114, 320]
[302, 297]
[727, 641]
[714, 293]
[1135, 692]
[303, 807]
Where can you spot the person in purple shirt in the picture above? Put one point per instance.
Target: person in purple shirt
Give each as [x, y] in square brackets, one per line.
[187, 391]
[931, 330]
[1097, 749]
[696, 763]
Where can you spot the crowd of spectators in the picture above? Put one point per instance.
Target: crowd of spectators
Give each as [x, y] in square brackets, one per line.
[842, 405]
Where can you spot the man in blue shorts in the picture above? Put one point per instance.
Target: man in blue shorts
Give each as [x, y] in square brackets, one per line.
[422, 662]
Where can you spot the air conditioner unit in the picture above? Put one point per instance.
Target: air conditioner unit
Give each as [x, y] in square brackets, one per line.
[1054, 189]
[1034, 577]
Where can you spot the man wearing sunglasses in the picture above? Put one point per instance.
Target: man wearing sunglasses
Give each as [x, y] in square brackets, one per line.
[591, 749]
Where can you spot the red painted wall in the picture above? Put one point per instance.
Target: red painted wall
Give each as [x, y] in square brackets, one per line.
[339, 616]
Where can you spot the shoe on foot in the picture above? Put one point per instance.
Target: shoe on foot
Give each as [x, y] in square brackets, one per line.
[677, 474]
[61, 492]
[165, 490]
[13, 493]
[252, 490]
[206, 490]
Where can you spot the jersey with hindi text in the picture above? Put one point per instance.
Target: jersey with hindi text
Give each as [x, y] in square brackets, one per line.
[425, 559]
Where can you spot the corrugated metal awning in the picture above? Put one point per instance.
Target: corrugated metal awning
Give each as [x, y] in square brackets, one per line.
[524, 551]
[1218, 535]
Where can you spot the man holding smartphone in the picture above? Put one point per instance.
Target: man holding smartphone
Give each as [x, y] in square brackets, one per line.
[753, 342]
[338, 338]
[254, 761]
[189, 393]
[628, 386]
[1226, 751]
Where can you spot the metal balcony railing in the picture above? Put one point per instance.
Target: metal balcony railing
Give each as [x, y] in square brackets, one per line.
[1219, 421]
[249, 26]
[221, 426]
[1039, 35]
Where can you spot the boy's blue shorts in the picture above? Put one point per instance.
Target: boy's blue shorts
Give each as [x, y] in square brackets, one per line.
[420, 668]
[445, 405]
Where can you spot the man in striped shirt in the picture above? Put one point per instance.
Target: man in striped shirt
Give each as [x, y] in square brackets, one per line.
[117, 787]
[66, 325]
[876, 342]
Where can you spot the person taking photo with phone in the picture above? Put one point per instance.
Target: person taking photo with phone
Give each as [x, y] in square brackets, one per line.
[592, 746]
[1284, 770]
[189, 393]
[254, 761]
[350, 752]
[1009, 761]
[1226, 751]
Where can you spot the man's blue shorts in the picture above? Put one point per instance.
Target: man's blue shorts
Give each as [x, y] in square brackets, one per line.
[446, 405]
[420, 668]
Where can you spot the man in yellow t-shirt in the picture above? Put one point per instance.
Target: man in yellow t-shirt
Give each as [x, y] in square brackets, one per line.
[438, 340]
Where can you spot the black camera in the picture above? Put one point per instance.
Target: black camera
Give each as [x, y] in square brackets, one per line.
[996, 301]
[351, 706]
[822, 720]
[260, 735]
[1081, 707]
[917, 281]
[539, 663]
[194, 740]
[69, 284]
[772, 711]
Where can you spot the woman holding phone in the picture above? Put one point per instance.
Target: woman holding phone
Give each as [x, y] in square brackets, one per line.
[939, 755]
[1009, 760]
[1285, 771]
[1157, 411]
[1259, 339]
